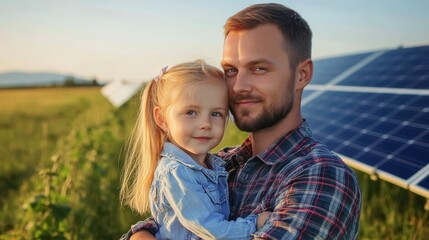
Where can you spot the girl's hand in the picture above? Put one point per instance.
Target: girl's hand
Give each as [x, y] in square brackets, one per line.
[262, 218]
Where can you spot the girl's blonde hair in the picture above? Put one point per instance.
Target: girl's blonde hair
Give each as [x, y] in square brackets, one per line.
[147, 139]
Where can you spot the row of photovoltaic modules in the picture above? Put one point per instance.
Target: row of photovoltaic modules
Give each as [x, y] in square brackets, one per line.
[373, 110]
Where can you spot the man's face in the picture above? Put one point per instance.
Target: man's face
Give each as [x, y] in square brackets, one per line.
[259, 77]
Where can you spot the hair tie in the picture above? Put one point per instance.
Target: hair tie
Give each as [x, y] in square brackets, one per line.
[163, 71]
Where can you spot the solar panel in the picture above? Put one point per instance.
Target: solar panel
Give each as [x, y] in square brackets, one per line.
[401, 68]
[421, 184]
[119, 92]
[326, 69]
[375, 113]
[307, 92]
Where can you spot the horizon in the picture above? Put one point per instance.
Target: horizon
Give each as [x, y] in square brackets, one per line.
[131, 40]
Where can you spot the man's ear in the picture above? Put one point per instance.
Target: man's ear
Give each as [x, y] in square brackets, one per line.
[159, 118]
[304, 73]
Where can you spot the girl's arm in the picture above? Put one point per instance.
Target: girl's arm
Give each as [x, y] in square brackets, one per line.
[197, 212]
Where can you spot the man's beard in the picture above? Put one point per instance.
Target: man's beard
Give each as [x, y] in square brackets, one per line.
[268, 117]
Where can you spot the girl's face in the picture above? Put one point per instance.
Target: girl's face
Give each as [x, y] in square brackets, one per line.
[196, 120]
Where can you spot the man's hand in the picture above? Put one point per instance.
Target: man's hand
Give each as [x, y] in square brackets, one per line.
[142, 235]
[262, 218]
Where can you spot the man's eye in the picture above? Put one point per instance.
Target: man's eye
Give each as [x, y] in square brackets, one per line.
[230, 72]
[260, 70]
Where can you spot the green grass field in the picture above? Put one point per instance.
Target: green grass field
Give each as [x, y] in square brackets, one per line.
[61, 154]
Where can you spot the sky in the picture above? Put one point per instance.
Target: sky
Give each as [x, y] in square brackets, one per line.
[133, 39]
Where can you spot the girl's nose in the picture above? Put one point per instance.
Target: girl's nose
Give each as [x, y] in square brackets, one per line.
[205, 122]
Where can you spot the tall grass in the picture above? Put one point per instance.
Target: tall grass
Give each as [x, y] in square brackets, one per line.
[61, 161]
[32, 122]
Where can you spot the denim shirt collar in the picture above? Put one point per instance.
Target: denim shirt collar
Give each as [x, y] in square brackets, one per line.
[174, 153]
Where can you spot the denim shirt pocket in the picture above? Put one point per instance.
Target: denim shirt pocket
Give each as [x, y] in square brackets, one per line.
[218, 198]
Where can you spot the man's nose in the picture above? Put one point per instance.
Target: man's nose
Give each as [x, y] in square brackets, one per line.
[241, 83]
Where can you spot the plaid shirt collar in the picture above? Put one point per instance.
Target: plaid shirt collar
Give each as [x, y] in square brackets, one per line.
[277, 152]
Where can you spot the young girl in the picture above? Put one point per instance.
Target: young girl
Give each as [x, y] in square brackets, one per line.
[168, 169]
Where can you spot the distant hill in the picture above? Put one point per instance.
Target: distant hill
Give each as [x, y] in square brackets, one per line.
[39, 79]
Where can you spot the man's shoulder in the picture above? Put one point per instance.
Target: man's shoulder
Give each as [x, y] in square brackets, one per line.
[320, 157]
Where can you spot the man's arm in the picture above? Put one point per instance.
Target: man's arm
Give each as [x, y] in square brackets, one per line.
[142, 235]
[322, 202]
[142, 230]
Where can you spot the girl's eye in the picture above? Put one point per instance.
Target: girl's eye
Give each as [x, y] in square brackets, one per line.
[217, 114]
[191, 113]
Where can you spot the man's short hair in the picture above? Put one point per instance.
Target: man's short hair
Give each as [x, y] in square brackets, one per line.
[295, 30]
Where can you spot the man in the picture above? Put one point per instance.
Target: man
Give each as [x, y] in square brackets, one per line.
[280, 167]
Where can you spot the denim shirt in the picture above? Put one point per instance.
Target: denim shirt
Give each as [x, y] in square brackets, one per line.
[191, 202]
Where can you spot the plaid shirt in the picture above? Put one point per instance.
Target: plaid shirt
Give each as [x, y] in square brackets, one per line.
[310, 191]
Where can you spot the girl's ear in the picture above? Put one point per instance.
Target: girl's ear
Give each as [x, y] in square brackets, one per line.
[159, 118]
[304, 73]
